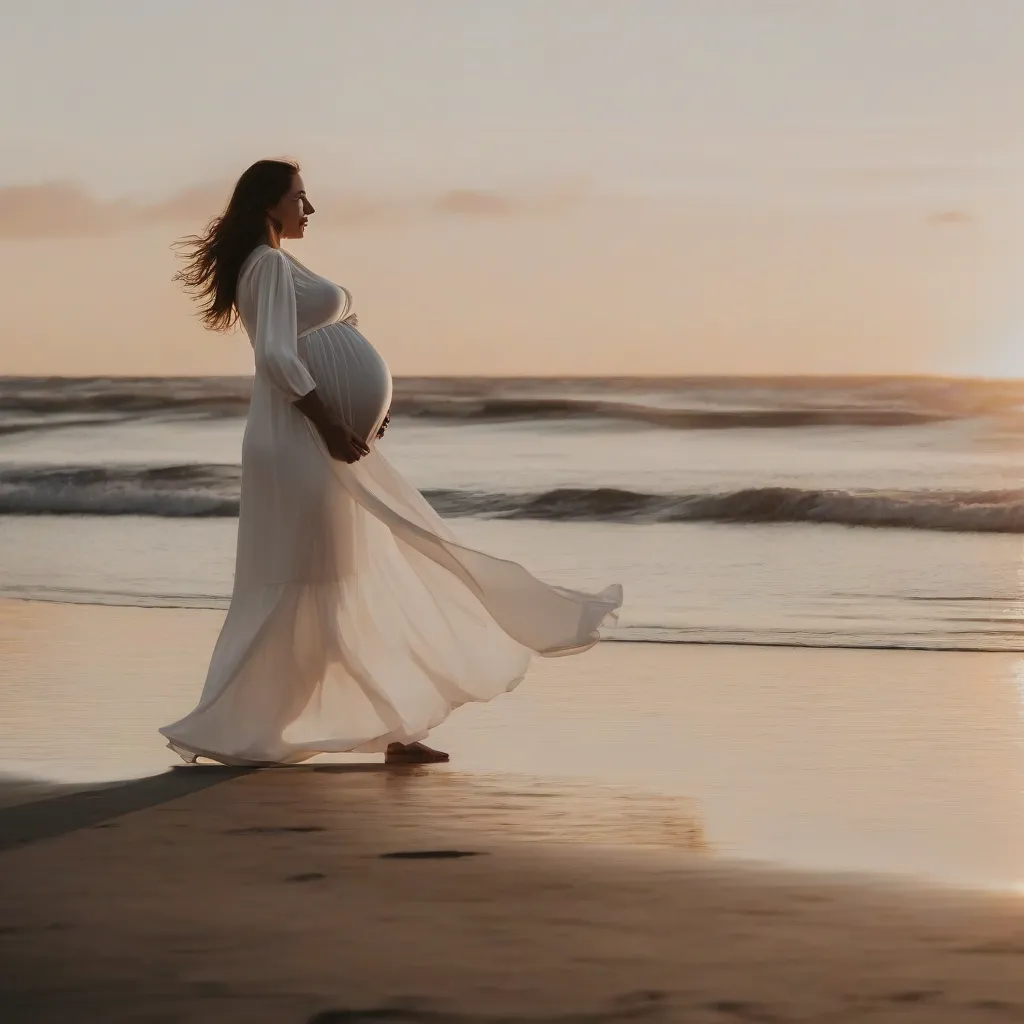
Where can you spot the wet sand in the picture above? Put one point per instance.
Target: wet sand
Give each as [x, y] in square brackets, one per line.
[370, 894]
[907, 763]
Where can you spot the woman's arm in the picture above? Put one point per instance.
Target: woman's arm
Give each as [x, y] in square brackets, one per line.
[277, 337]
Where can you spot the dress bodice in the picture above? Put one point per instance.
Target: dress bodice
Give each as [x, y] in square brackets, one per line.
[318, 301]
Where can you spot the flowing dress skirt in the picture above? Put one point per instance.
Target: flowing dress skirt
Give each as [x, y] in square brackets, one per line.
[356, 617]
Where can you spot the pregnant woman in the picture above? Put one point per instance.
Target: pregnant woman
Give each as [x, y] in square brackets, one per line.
[357, 621]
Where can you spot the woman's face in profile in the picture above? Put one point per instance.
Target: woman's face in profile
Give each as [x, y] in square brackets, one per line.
[293, 210]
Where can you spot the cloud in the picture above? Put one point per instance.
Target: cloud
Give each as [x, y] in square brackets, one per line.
[477, 203]
[64, 210]
[59, 209]
[952, 218]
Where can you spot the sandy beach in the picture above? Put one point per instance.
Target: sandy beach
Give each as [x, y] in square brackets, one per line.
[359, 893]
[699, 844]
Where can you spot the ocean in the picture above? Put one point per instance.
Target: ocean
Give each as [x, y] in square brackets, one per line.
[839, 512]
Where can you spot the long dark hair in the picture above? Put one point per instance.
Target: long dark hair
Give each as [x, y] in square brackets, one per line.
[213, 260]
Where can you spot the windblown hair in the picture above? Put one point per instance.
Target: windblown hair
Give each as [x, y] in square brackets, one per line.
[213, 260]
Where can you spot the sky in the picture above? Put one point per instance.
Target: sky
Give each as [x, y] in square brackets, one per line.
[531, 186]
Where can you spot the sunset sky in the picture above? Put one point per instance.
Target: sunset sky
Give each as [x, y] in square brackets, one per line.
[531, 186]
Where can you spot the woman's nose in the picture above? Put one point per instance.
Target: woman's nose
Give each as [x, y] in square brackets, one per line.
[307, 207]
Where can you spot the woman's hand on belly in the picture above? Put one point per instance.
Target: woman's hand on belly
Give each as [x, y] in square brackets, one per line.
[341, 440]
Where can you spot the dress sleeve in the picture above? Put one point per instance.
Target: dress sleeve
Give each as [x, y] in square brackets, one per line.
[276, 341]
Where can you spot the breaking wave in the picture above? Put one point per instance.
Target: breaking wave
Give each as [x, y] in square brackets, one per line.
[212, 490]
[170, 491]
[507, 409]
[684, 404]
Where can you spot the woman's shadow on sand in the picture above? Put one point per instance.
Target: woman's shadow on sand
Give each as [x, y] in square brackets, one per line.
[31, 810]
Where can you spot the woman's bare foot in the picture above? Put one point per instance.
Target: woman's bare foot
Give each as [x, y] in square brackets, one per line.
[413, 753]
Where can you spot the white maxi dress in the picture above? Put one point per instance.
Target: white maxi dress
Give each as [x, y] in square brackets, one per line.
[356, 617]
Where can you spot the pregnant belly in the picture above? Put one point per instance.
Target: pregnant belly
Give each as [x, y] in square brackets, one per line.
[352, 379]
